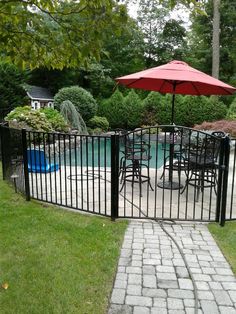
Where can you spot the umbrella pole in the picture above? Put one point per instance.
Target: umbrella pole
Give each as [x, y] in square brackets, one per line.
[171, 157]
[173, 109]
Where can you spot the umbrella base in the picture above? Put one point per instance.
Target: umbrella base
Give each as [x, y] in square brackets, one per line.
[170, 185]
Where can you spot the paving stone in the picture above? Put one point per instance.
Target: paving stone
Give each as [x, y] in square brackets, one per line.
[223, 278]
[196, 270]
[215, 285]
[154, 293]
[160, 303]
[137, 246]
[185, 284]
[229, 285]
[120, 284]
[141, 310]
[134, 279]
[167, 284]
[125, 252]
[209, 307]
[121, 269]
[201, 277]
[124, 261]
[157, 310]
[149, 270]
[190, 303]
[136, 257]
[165, 269]
[121, 276]
[202, 285]
[222, 297]
[134, 270]
[207, 258]
[134, 290]
[175, 304]
[208, 270]
[224, 271]
[180, 293]
[166, 276]
[205, 295]
[138, 300]
[232, 295]
[151, 262]
[167, 262]
[227, 310]
[149, 281]
[182, 272]
[176, 312]
[118, 296]
[120, 309]
[178, 262]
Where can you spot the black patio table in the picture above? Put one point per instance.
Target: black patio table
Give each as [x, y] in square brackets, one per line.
[170, 142]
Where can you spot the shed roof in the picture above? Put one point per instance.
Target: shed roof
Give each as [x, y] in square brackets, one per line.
[36, 92]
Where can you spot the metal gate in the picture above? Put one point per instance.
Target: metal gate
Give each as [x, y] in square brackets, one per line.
[176, 173]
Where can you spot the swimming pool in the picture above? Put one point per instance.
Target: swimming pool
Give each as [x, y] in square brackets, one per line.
[97, 153]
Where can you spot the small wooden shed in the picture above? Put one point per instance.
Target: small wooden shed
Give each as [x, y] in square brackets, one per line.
[40, 97]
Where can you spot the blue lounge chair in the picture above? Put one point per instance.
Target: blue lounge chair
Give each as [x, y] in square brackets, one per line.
[37, 162]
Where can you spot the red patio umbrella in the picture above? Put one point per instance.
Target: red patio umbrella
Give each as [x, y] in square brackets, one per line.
[176, 77]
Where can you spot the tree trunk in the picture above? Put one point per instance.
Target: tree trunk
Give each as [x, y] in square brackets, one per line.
[216, 39]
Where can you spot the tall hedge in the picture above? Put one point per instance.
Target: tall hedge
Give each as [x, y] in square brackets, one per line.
[231, 114]
[156, 109]
[114, 110]
[81, 99]
[196, 109]
[188, 110]
[133, 107]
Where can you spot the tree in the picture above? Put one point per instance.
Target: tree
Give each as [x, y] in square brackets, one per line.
[55, 33]
[80, 98]
[216, 39]
[125, 53]
[12, 93]
[200, 52]
[164, 37]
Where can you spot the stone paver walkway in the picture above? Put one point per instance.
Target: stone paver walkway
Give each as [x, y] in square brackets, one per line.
[152, 277]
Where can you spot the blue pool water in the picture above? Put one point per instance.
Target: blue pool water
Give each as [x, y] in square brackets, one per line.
[98, 153]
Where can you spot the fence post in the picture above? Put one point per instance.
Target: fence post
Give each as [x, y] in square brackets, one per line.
[25, 161]
[220, 176]
[225, 180]
[2, 153]
[114, 176]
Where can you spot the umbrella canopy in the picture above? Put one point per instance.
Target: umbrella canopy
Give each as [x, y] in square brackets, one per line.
[176, 77]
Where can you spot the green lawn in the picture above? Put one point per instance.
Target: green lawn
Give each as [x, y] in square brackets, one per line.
[55, 261]
[226, 239]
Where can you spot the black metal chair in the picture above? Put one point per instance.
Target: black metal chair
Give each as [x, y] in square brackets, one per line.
[136, 156]
[181, 139]
[201, 162]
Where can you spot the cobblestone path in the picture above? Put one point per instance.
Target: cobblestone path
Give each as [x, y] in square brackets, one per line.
[152, 277]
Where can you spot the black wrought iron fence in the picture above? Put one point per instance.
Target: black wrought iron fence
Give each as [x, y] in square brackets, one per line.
[12, 155]
[164, 172]
[70, 170]
[231, 190]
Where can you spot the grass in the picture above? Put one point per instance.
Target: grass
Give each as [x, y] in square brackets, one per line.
[226, 239]
[55, 261]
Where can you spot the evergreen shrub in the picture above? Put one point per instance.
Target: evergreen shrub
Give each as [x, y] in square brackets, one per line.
[98, 122]
[114, 110]
[82, 100]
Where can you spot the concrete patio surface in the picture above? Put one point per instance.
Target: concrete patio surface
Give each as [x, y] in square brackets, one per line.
[152, 277]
